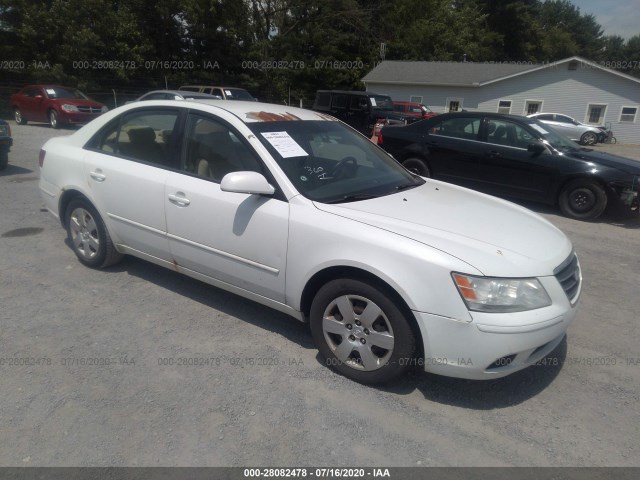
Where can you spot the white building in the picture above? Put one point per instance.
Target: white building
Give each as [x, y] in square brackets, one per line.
[582, 89]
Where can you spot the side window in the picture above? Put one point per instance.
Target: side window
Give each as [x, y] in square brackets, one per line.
[217, 91]
[339, 101]
[459, 127]
[358, 102]
[564, 119]
[545, 116]
[146, 136]
[212, 150]
[501, 132]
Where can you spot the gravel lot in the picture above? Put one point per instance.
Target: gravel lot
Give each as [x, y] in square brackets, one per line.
[581, 409]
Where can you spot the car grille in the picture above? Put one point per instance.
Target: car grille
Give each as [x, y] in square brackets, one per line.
[570, 277]
[90, 109]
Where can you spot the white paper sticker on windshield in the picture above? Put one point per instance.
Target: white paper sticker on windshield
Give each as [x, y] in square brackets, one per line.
[538, 128]
[373, 102]
[228, 93]
[50, 91]
[285, 145]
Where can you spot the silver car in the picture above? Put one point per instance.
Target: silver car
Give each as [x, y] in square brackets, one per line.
[570, 127]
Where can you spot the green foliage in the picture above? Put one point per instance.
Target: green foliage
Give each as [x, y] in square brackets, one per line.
[283, 50]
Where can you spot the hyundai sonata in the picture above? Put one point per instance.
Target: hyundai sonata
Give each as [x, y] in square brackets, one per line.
[293, 209]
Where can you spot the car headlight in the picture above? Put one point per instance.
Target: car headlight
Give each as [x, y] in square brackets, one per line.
[104, 109]
[69, 108]
[501, 295]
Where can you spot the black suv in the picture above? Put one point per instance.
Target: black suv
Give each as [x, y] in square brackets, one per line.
[360, 110]
[5, 144]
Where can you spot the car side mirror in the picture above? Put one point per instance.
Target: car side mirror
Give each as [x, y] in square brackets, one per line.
[536, 148]
[253, 183]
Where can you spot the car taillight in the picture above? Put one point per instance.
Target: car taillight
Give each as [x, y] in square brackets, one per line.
[380, 138]
[41, 157]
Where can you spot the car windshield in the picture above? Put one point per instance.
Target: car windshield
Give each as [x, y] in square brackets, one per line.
[58, 92]
[237, 94]
[552, 137]
[425, 109]
[330, 163]
[381, 102]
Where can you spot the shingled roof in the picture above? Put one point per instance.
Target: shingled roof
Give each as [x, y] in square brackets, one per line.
[464, 74]
[443, 73]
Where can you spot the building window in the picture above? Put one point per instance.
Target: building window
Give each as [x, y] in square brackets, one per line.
[504, 106]
[454, 104]
[415, 98]
[628, 114]
[532, 106]
[595, 114]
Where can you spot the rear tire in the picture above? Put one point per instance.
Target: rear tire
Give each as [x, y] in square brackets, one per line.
[17, 115]
[417, 166]
[360, 332]
[583, 199]
[88, 235]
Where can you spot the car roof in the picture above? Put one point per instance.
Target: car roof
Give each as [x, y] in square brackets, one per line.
[250, 111]
[180, 92]
[505, 116]
[353, 92]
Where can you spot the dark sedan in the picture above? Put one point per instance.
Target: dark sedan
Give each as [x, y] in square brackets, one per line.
[517, 157]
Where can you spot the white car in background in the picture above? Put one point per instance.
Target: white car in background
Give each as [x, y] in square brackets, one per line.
[295, 210]
[571, 128]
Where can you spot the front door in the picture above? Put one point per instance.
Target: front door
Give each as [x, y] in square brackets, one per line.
[236, 238]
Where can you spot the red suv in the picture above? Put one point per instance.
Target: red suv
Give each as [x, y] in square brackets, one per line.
[55, 105]
[413, 111]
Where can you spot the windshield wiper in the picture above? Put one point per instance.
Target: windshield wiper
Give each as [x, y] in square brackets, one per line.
[405, 186]
[354, 198]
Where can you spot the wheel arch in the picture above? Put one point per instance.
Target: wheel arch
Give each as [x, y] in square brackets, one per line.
[560, 187]
[321, 277]
[66, 198]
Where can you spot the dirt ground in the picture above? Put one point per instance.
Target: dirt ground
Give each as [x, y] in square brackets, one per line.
[90, 374]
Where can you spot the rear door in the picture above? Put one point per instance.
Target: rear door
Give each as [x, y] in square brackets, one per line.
[127, 164]
[453, 149]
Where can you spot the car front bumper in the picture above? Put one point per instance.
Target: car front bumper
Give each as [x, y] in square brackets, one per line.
[494, 345]
[77, 118]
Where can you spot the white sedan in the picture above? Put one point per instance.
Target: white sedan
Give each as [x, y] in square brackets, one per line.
[293, 209]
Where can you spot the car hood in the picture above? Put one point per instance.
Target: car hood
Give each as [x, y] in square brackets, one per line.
[496, 237]
[607, 159]
[78, 102]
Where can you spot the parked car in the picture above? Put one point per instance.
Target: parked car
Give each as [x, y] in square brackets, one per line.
[312, 219]
[226, 93]
[176, 95]
[54, 104]
[6, 141]
[571, 128]
[517, 157]
[360, 110]
[412, 111]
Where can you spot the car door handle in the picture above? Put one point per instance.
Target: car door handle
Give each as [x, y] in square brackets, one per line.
[98, 176]
[493, 154]
[179, 199]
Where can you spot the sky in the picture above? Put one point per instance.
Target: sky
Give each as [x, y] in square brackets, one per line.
[617, 17]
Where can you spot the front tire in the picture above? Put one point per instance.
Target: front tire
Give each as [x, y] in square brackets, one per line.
[17, 115]
[360, 332]
[417, 166]
[53, 119]
[583, 199]
[589, 138]
[88, 235]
